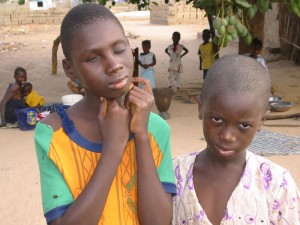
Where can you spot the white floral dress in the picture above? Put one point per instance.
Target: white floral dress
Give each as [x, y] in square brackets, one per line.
[265, 194]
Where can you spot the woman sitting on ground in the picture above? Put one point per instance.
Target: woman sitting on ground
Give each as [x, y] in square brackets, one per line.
[13, 99]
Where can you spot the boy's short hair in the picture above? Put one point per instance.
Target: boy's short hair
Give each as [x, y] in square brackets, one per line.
[146, 42]
[27, 85]
[238, 74]
[19, 69]
[256, 43]
[206, 32]
[77, 17]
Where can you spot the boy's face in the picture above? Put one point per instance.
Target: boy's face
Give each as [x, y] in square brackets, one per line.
[230, 122]
[101, 59]
[205, 37]
[21, 77]
[26, 90]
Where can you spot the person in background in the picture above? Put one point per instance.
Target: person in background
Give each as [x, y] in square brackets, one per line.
[256, 50]
[175, 51]
[32, 98]
[13, 99]
[146, 61]
[206, 52]
[225, 183]
[106, 159]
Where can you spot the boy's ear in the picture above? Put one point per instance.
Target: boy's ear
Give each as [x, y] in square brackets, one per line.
[263, 119]
[68, 69]
[199, 101]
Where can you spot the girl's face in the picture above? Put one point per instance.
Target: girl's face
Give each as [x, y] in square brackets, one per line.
[21, 77]
[101, 59]
[230, 122]
[175, 38]
[146, 48]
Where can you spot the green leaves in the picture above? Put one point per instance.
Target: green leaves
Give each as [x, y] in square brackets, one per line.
[243, 3]
[102, 2]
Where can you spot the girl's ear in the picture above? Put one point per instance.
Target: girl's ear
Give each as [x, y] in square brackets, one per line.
[263, 119]
[68, 69]
[199, 101]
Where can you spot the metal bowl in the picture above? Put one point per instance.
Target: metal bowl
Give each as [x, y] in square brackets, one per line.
[274, 99]
[281, 106]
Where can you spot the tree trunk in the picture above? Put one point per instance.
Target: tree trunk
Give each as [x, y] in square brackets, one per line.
[212, 30]
[56, 43]
[256, 28]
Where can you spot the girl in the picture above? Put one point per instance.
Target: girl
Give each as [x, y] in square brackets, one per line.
[146, 61]
[175, 67]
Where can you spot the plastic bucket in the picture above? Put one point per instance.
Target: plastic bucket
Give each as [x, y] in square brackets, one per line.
[27, 118]
[71, 99]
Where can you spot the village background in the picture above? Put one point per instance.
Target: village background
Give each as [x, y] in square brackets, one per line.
[26, 39]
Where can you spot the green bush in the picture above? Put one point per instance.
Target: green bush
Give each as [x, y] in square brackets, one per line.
[21, 2]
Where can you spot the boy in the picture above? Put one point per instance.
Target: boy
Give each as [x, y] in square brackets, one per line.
[206, 53]
[32, 98]
[174, 51]
[146, 61]
[104, 161]
[256, 50]
[225, 183]
[13, 99]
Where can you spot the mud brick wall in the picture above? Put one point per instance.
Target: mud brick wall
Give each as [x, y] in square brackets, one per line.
[20, 15]
[23, 16]
[175, 13]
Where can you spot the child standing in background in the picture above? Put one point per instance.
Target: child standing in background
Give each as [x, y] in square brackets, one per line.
[206, 52]
[32, 98]
[146, 61]
[175, 65]
[105, 160]
[225, 183]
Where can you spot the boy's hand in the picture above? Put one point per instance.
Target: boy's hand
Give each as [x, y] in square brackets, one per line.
[140, 102]
[114, 124]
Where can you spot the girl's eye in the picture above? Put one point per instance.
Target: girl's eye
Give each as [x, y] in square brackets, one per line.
[217, 119]
[93, 59]
[119, 51]
[244, 125]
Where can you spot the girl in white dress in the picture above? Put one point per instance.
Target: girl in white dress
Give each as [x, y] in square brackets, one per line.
[146, 61]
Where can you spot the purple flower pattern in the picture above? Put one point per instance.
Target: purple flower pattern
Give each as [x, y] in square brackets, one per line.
[179, 180]
[284, 181]
[190, 182]
[267, 175]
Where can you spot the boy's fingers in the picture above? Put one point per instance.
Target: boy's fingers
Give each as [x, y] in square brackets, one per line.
[146, 83]
[104, 106]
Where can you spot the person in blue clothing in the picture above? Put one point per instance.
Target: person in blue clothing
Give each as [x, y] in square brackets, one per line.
[13, 99]
[146, 62]
[106, 159]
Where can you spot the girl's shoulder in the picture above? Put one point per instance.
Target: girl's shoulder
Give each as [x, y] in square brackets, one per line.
[184, 160]
[53, 120]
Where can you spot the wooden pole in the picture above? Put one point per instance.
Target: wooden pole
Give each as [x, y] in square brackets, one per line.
[56, 43]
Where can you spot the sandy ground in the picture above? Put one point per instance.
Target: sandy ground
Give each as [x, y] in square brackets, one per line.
[31, 48]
